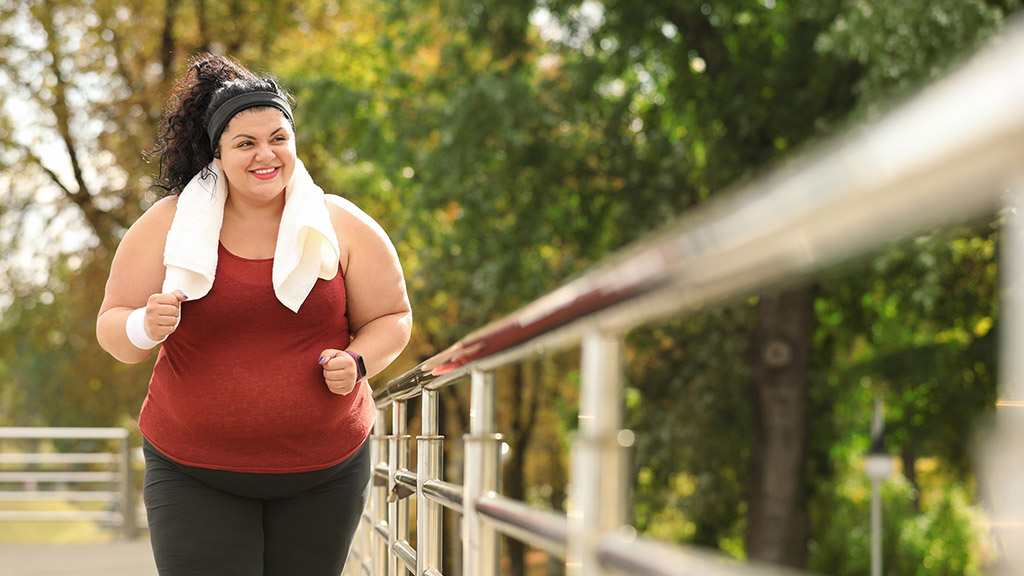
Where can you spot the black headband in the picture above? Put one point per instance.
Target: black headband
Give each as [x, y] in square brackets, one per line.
[226, 111]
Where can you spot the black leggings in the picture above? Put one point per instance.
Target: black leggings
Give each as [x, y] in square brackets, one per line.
[214, 522]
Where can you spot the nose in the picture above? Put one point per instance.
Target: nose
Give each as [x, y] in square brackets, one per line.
[264, 152]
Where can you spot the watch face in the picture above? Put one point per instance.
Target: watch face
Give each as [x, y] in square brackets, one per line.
[360, 365]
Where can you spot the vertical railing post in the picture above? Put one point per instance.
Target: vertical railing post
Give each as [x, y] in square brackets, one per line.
[479, 541]
[360, 559]
[398, 508]
[379, 495]
[128, 517]
[598, 501]
[429, 451]
[1003, 464]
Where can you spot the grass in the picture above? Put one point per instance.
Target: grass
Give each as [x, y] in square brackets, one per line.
[52, 532]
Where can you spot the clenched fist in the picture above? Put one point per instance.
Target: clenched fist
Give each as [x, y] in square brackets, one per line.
[162, 314]
[340, 371]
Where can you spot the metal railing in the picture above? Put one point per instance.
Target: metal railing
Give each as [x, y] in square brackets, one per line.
[949, 155]
[98, 477]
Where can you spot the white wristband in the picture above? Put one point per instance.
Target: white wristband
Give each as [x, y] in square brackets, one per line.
[136, 329]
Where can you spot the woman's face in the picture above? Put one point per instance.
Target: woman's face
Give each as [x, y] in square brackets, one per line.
[257, 154]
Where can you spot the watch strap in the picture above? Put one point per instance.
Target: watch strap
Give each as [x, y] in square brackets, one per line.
[360, 365]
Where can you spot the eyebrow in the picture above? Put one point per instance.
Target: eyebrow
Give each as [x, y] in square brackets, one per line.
[253, 137]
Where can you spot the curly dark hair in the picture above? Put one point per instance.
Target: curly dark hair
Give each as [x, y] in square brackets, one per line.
[183, 146]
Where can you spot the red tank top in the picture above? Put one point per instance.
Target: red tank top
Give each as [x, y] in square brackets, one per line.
[237, 385]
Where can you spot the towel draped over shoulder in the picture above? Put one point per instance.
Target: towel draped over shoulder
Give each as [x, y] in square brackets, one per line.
[307, 244]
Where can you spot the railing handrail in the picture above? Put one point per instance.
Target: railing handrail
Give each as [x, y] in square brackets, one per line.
[945, 157]
[957, 132]
[122, 490]
[62, 433]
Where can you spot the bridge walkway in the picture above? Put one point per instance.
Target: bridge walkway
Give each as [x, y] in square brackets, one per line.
[122, 558]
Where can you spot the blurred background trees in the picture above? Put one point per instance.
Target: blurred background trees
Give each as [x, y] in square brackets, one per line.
[507, 146]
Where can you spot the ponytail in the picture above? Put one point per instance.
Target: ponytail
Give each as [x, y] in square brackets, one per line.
[184, 146]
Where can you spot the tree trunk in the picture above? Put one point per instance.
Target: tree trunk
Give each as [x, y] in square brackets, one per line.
[777, 528]
[522, 405]
[909, 458]
[514, 487]
[454, 418]
[205, 42]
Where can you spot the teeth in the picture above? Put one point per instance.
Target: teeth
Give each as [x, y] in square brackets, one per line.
[264, 170]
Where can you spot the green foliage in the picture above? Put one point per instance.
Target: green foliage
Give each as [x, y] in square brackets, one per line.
[901, 44]
[941, 541]
[89, 82]
[506, 147]
[916, 324]
[54, 373]
[692, 470]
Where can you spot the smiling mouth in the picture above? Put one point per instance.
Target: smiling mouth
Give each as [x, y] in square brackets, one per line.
[265, 173]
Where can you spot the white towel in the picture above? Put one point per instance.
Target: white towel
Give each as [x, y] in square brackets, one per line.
[307, 246]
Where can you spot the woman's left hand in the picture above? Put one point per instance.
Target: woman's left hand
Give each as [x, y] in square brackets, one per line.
[339, 371]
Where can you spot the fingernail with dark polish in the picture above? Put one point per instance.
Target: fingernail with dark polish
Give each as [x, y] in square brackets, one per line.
[321, 360]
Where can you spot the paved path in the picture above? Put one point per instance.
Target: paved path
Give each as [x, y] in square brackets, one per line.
[114, 559]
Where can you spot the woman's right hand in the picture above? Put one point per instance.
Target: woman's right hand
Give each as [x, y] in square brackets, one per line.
[136, 283]
[162, 313]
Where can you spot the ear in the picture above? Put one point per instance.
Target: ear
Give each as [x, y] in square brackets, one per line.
[220, 163]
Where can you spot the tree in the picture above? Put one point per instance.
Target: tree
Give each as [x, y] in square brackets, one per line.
[615, 116]
[634, 113]
[452, 123]
[87, 87]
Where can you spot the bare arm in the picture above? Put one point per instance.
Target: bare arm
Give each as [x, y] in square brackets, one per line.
[380, 318]
[136, 276]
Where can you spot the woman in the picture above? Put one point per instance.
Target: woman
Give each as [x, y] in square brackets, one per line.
[256, 422]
